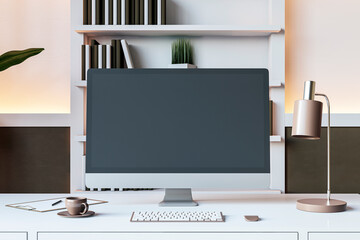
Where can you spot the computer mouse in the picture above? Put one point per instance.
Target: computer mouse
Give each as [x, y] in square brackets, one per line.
[251, 218]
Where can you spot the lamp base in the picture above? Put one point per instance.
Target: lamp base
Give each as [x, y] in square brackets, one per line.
[321, 205]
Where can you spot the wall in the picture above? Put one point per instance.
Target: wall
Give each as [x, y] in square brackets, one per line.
[42, 83]
[323, 44]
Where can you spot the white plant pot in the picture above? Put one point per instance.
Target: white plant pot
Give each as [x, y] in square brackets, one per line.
[182, 65]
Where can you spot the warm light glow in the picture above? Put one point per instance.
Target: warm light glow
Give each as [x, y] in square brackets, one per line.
[323, 45]
[41, 84]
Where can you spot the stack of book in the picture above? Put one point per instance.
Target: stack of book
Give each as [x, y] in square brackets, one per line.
[124, 12]
[116, 55]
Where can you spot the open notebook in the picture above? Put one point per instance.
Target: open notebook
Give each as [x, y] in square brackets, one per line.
[46, 205]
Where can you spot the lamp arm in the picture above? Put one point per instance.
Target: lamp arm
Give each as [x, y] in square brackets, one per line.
[328, 145]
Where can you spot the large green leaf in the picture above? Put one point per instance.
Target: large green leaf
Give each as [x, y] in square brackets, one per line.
[12, 58]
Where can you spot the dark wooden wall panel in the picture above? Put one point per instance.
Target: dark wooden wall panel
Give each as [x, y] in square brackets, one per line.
[34, 159]
[306, 162]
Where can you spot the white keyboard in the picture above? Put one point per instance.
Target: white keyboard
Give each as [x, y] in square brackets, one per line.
[177, 216]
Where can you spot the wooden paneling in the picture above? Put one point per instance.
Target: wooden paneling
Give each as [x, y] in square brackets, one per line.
[306, 162]
[34, 159]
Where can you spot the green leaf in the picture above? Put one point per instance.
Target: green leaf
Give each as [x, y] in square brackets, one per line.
[12, 58]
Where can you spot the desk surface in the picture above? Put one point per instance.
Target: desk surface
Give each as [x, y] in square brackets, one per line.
[277, 213]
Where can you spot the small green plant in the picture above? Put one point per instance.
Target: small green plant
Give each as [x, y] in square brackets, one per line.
[12, 58]
[182, 52]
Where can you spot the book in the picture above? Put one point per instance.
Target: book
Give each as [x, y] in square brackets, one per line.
[99, 56]
[128, 59]
[113, 53]
[158, 9]
[106, 11]
[154, 10]
[141, 12]
[127, 12]
[119, 12]
[87, 60]
[122, 22]
[150, 12]
[132, 11]
[111, 12]
[146, 12]
[103, 56]
[108, 56]
[100, 12]
[136, 12]
[93, 8]
[271, 106]
[95, 56]
[163, 12]
[85, 12]
[118, 50]
[83, 64]
[93, 53]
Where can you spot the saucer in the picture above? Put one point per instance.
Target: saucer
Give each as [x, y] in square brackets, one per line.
[66, 214]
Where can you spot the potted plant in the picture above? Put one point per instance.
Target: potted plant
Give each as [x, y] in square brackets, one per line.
[12, 58]
[182, 54]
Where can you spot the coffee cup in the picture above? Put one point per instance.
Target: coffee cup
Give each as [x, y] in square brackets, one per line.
[76, 205]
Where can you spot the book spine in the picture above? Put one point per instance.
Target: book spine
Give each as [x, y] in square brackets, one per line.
[146, 12]
[271, 106]
[137, 12]
[126, 50]
[127, 12]
[154, 9]
[118, 54]
[123, 10]
[99, 57]
[85, 12]
[158, 12]
[96, 56]
[150, 12]
[83, 64]
[111, 12]
[104, 63]
[89, 12]
[103, 13]
[141, 12]
[93, 12]
[122, 57]
[113, 53]
[119, 12]
[97, 12]
[132, 10]
[108, 56]
[163, 12]
[87, 60]
[106, 10]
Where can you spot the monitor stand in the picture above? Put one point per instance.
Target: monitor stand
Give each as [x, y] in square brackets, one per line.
[178, 197]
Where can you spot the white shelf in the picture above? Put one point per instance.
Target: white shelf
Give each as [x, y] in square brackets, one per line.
[83, 84]
[274, 138]
[80, 138]
[178, 30]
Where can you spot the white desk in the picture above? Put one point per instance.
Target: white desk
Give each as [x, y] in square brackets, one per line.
[279, 219]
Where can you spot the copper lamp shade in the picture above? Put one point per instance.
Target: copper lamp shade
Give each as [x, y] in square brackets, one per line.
[307, 119]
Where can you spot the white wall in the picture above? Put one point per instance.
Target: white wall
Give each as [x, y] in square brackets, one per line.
[323, 44]
[42, 83]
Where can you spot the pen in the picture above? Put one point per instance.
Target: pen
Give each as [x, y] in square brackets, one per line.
[56, 203]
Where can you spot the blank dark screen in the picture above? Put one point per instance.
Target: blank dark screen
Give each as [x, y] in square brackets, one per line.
[178, 121]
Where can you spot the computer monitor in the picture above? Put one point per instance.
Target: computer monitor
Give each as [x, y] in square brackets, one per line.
[178, 129]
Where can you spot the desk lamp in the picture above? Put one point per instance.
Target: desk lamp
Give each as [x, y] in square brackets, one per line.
[307, 125]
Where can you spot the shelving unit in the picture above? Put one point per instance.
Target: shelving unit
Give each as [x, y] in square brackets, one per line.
[238, 34]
